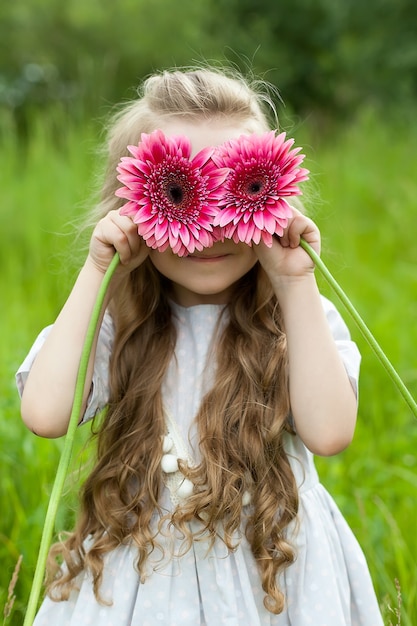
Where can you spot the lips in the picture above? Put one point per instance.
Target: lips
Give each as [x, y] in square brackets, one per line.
[199, 256]
[207, 257]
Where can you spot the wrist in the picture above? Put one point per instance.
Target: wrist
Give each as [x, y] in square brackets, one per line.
[93, 273]
[295, 290]
[285, 285]
[94, 267]
[90, 278]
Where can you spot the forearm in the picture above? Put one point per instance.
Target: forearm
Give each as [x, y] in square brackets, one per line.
[323, 402]
[49, 390]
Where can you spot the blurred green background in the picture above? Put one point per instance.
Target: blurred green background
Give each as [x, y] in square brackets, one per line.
[347, 74]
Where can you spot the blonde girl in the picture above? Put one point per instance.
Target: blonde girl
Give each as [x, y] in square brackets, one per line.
[223, 372]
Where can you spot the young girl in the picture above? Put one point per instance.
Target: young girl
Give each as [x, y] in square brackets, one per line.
[223, 372]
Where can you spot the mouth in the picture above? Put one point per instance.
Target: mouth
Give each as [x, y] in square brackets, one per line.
[207, 257]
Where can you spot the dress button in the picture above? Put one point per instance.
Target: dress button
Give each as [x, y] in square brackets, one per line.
[246, 498]
[169, 463]
[185, 489]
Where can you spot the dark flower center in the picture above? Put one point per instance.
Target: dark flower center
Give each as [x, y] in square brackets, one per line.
[255, 187]
[175, 193]
[178, 192]
[252, 181]
[251, 185]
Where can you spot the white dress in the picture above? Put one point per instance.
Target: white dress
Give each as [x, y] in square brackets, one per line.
[329, 583]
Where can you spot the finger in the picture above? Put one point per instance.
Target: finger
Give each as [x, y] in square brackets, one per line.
[127, 241]
[301, 226]
[290, 236]
[111, 236]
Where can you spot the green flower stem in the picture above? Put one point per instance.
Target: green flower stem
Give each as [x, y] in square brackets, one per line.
[362, 327]
[65, 458]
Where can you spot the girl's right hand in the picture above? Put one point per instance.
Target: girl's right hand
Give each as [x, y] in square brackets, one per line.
[116, 232]
[49, 390]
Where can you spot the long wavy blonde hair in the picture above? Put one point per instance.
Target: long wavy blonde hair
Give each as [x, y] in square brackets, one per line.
[242, 419]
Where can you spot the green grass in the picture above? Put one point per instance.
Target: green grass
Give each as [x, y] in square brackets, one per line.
[366, 177]
[362, 195]
[45, 183]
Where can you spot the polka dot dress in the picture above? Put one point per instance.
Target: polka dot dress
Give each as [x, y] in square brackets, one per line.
[329, 583]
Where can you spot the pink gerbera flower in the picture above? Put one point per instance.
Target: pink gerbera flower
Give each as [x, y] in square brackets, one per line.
[171, 198]
[263, 172]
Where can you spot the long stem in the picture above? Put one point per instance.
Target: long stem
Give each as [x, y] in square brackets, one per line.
[67, 449]
[362, 327]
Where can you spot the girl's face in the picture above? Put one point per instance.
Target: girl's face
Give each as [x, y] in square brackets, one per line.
[205, 277]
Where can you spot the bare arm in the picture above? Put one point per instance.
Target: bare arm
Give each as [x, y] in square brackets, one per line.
[323, 402]
[49, 390]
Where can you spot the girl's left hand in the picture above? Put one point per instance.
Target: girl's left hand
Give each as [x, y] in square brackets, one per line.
[286, 259]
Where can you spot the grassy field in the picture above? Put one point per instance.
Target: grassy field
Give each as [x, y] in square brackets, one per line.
[363, 196]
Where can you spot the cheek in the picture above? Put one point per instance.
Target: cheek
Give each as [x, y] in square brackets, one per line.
[164, 262]
[249, 260]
